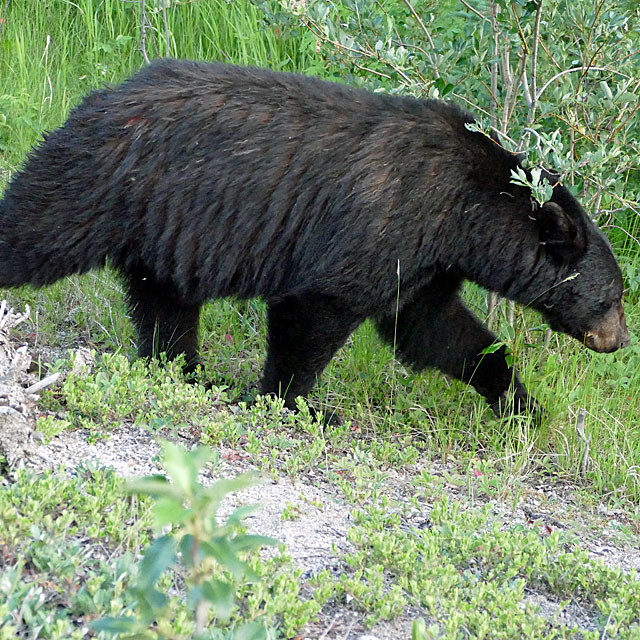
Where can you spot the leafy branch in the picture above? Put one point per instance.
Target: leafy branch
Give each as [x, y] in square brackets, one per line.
[197, 545]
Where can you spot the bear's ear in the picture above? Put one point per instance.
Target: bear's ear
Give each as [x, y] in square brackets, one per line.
[563, 235]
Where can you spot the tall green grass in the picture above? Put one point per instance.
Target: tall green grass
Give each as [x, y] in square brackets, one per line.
[52, 53]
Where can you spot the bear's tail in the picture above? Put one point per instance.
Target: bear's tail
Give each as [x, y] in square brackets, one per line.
[6, 259]
[43, 239]
[24, 252]
[13, 272]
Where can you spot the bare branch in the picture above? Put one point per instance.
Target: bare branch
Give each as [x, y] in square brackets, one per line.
[574, 70]
[512, 88]
[527, 96]
[627, 204]
[494, 76]
[473, 105]
[573, 128]
[426, 33]
[533, 105]
[375, 73]
[623, 124]
[475, 11]
[492, 303]
[166, 30]
[586, 441]
[505, 68]
[44, 383]
[615, 226]
[309, 24]
[143, 32]
[520, 31]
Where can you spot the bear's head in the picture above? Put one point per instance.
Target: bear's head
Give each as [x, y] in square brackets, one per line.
[585, 301]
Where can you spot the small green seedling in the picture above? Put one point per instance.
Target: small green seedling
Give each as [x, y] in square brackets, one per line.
[196, 544]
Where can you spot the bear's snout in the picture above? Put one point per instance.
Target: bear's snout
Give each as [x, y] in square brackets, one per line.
[612, 333]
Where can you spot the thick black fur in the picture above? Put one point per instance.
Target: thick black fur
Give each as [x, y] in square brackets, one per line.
[206, 180]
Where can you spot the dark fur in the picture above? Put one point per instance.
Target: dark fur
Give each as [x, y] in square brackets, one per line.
[205, 180]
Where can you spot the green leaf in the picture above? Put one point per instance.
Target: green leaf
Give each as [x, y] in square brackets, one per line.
[158, 557]
[606, 90]
[419, 629]
[169, 511]
[150, 602]
[237, 516]
[519, 177]
[155, 486]
[220, 595]
[510, 331]
[186, 549]
[221, 549]
[180, 466]
[246, 542]
[225, 486]
[626, 96]
[492, 348]
[250, 631]
[113, 625]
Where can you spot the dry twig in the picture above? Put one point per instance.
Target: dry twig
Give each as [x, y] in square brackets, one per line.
[586, 441]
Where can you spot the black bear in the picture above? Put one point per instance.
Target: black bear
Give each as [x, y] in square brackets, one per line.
[333, 204]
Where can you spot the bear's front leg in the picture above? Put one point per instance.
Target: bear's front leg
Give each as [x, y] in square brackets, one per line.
[437, 330]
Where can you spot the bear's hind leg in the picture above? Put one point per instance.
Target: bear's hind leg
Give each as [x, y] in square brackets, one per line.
[437, 330]
[164, 322]
[304, 334]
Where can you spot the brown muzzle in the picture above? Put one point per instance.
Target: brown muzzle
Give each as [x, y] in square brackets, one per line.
[611, 334]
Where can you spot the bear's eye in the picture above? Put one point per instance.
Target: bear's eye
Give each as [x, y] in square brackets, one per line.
[605, 305]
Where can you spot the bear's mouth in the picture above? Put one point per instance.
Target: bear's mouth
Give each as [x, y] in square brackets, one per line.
[611, 333]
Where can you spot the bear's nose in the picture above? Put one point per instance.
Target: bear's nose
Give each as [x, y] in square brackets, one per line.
[611, 334]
